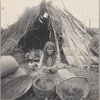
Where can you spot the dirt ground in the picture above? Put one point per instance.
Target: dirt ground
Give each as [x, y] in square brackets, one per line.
[93, 78]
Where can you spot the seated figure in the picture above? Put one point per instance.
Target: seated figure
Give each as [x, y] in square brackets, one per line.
[51, 66]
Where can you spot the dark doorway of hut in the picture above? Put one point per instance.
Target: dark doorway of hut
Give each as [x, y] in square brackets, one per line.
[37, 36]
[40, 32]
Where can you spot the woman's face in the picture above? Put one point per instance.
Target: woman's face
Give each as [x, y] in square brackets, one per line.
[50, 51]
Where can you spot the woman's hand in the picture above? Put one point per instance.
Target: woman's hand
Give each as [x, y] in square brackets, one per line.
[49, 69]
[45, 69]
[61, 66]
[53, 70]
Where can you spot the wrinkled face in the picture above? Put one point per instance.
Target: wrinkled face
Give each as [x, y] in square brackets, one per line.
[50, 51]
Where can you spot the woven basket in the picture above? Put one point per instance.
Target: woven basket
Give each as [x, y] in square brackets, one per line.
[75, 82]
[43, 93]
[16, 87]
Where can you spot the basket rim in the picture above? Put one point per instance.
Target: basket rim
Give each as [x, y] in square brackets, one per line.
[68, 80]
[45, 90]
[27, 88]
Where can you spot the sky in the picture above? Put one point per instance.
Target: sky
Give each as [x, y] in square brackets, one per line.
[87, 11]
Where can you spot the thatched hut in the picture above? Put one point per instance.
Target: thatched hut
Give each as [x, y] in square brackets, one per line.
[46, 22]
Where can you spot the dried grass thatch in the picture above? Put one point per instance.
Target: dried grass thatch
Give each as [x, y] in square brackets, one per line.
[75, 35]
[12, 35]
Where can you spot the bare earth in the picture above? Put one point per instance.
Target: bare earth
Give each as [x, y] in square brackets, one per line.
[93, 77]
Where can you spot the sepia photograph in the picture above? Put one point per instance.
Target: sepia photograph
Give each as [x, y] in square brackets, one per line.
[49, 50]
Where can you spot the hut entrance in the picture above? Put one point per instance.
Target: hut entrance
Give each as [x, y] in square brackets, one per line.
[37, 36]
